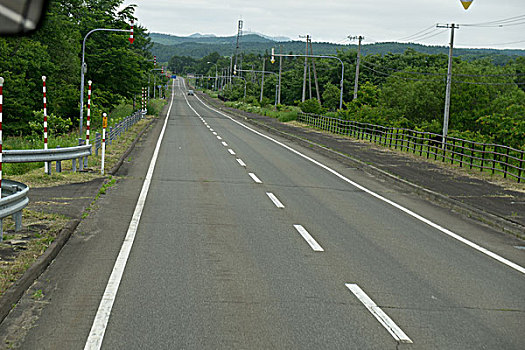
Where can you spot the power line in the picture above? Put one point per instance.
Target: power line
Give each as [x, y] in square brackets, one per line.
[478, 83]
[511, 21]
[455, 81]
[415, 34]
[512, 42]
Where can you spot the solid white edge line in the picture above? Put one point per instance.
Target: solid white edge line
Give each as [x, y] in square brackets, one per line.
[98, 329]
[232, 152]
[240, 161]
[255, 178]
[308, 238]
[388, 201]
[379, 314]
[275, 200]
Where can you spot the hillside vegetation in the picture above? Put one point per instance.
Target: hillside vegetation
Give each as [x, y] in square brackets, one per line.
[403, 90]
[166, 46]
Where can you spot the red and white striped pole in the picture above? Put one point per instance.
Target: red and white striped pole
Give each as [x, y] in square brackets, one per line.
[88, 121]
[1, 102]
[143, 99]
[45, 120]
[104, 126]
[131, 39]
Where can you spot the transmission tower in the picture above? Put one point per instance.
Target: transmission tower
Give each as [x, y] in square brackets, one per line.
[239, 35]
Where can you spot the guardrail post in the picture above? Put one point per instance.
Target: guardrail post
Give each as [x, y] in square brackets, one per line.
[482, 158]
[461, 154]
[17, 217]
[74, 165]
[506, 163]
[58, 164]
[472, 154]
[80, 160]
[494, 159]
[453, 152]
[97, 136]
[521, 167]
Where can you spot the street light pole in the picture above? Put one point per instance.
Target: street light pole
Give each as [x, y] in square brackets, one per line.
[83, 68]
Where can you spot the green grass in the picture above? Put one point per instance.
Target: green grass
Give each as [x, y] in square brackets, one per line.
[283, 113]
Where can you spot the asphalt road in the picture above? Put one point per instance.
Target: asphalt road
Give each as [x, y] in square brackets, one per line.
[245, 244]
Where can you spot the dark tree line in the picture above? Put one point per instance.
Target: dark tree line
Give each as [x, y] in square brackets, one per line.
[118, 70]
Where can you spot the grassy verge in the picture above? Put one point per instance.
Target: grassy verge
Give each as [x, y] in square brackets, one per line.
[281, 112]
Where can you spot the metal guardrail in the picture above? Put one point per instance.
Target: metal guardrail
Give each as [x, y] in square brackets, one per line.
[484, 156]
[45, 155]
[48, 156]
[12, 204]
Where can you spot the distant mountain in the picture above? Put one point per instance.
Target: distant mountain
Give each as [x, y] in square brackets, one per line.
[199, 35]
[197, 46]
[273, 38]
[167, 39]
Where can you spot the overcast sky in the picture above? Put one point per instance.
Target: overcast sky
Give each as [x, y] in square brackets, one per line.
[334, 20]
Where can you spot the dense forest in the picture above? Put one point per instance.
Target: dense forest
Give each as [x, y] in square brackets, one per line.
[397, 89]
[117, 68]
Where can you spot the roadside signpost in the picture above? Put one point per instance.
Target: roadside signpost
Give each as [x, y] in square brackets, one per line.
[104, 126]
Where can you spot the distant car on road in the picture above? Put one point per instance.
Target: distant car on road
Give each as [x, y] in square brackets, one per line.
[190, 93]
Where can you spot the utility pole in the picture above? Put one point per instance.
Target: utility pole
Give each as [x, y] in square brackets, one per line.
[305, 64]
[280, 73]
[262, 79]
[309, 72]
[315, 73]
[356, 83]
[449, 79]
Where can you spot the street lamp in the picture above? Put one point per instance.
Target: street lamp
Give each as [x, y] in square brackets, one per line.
[83, 68]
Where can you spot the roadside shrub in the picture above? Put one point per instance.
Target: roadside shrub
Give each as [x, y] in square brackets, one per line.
[55, 124]
[155, 106]
[311, 106]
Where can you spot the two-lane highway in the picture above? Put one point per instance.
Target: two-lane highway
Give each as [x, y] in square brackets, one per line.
[244, 244]
[243, 240]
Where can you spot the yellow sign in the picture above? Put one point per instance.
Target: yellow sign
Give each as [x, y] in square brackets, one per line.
[466, 3]
[105, 122]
